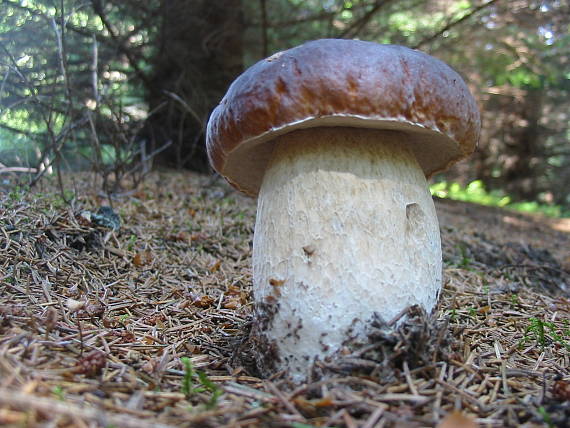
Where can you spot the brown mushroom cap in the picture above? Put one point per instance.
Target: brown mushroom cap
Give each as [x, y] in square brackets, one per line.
[349, 83]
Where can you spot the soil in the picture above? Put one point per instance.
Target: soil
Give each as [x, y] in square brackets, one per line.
[100, 307]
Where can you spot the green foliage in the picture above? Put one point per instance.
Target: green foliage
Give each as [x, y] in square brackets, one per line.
[131, 243]
[545, 416]
[59, 392]
[188, 380]
[16, 194]
[465, 261]
[475, 192]
[544, 333]
[53, 103]
[189, 387]
[505, 51]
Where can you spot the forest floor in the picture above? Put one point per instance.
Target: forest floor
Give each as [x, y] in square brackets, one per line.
[140, 324]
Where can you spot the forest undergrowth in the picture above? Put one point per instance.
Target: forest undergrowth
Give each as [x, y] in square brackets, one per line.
[136, 315]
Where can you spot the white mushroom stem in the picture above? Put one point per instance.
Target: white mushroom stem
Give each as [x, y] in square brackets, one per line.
[346, 229]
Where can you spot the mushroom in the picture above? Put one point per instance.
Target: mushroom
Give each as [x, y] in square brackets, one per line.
[336, 138]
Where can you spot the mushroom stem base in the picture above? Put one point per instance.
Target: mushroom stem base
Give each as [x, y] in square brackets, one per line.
[346, 233]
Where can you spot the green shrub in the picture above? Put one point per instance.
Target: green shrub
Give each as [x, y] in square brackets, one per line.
[475, 192]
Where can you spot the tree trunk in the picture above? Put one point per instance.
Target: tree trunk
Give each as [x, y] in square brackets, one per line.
[199, 53]
[525, 167]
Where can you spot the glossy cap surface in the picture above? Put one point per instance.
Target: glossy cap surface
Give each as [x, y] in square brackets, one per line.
[349, 83]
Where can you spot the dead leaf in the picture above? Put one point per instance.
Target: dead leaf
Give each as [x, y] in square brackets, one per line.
[147, 340]
[180, 237]
[561, 390]
[50, 319]
[484, 309]
[232, 303]
[154, 319]
[215, 267]
[95, 309]
[324, 402]
[203, 302]
[142, 258]
[199, 237]
[91, 364]
[150, 366]
[74, 305]
[457, 419]
[233, 290]
[84, 218]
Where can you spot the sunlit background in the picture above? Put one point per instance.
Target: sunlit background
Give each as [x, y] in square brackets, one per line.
[119, 86]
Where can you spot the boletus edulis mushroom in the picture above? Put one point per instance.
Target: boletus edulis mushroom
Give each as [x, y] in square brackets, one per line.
[336, 139]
